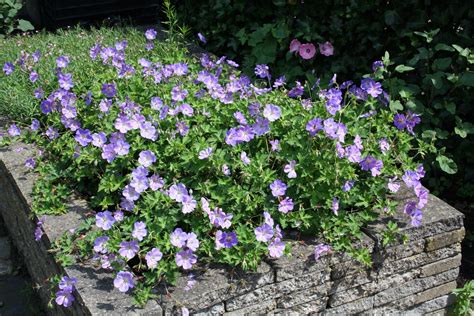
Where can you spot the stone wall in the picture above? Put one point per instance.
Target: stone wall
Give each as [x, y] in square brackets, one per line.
[415, 277]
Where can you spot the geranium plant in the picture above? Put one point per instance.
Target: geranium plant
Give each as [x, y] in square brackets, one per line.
[185, 160]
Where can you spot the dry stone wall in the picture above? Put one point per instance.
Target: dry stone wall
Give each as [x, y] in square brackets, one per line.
[416, 277]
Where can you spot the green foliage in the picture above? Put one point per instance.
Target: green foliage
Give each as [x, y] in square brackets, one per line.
[464, 300]
[8, 18]
[430, 43]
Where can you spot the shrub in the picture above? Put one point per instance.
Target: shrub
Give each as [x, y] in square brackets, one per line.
[429, 41]
[8, 18]
[187, 160]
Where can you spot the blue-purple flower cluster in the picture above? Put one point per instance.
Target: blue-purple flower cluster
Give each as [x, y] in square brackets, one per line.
[177, 138]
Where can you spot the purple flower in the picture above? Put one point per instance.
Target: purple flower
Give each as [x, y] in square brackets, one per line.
[30, 163]
[307, 50]
[384, 145]
[372, 164]
[150, 34]
[65, 81]
[99, 139]
[156, 182]
[188, 204]
[371, 87]
[178, 94]
[186, 109]
[183, 129]
[123, 281]
[152, 257]
[334, 130]
[411, 178]
[340, 151]
[348, 185]
[192, 242]
[52, 133]
[139, 230]
[326, 49]
[109, 90]
[128, 249]
[290, 169]
[264, 233]
[156, 103]
[275, 145]
[34, 76]
[104, 220]
[100, 244]
[353, 153]
[177, 192]
[296, 91]
[201, 38]
[64, 298]
[178, 238]
[399, 120]
[13, 130]
[130, 193]
[148, 131]
[378, 64]
[333, 100]
[185, 259]
[219, 218]
[262, 71]
[83, 137]
[276, 248]
[62, 61]
[414, 212]
[272, 112]
[244, 158]
[422, 195]
[39, 93]
[279, 82]
[146, 158]
[8, 68]
[226, 240]
[67, 284]
[278, 188]
[118, 215]
[295, 46]
[393, 185]
[268, 219]
[335, 206]
[286, 205]
[35, 125]
[139, 184]
[240, 118]
[321, 249]
[261, 127]
[412, 120]
[205, 153]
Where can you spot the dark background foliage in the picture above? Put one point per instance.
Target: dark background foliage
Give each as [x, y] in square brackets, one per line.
[429, 44]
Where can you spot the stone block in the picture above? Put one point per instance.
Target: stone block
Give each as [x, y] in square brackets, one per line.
[440, 266]
[433, 305]
[354, 307]
[263, 308]
[414, 286]
[312, 294]
[5, 248]
[444, 239]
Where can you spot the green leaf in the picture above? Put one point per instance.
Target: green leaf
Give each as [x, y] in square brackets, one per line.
[396, 105]
[24, 25]
[429, 134]
[451, 108]
[445, 47]
[447, 164]
[467, 79]
[403, 68]
[442, 63]
[281, 31]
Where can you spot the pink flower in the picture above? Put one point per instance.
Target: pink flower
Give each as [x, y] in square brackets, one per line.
[307, 51]
[295, 46]
[326, 49]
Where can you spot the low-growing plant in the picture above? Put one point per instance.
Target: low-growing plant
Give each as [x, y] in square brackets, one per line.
[185, 160]
[464, 299]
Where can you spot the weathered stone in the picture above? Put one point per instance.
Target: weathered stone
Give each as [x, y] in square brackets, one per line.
[6, 267]
[277, 290]
[440, 266]
[438, 217]
[367, 289]
[404, 250]
[258, 309]
[350, 281]
[5, 248]
[353, 307]
[315, 306]
[217, 309]
[390, 267]
[311, 294]
[434, 304]
[414, 286]
[445, 239]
